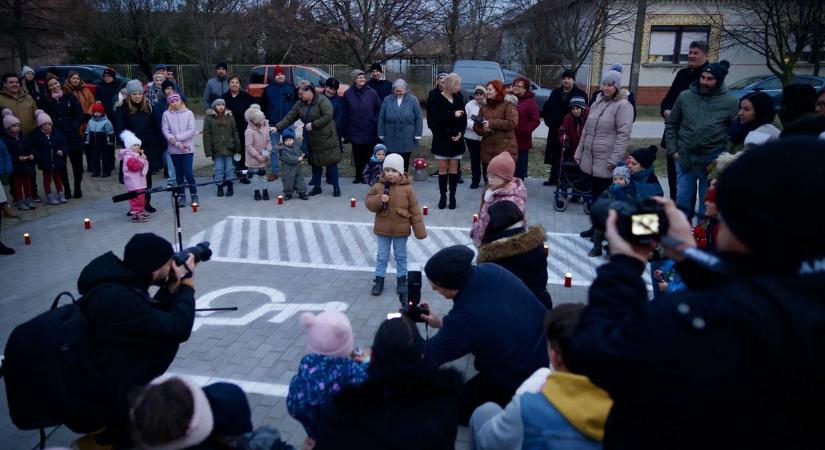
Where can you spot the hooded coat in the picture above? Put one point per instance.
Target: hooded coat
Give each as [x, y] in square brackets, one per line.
[521, 251]
[513, 191]
[220, 134]
[501, 136]
[402, 213]
[401, 411]
[323, 139]
[698, 125]
[362, 108]
[606, 135]
[135, 336]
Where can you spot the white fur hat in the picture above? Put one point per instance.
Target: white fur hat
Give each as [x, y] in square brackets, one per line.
[129, 139]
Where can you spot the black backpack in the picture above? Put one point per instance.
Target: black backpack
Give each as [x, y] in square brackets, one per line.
[49, 371]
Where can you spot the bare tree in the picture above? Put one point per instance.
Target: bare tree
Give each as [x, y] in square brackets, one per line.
[465, 24]
[782, 31]
[32, 24]
[378, 30]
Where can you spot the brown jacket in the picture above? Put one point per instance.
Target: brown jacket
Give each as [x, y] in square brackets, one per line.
[501, 136]
[402, 211]
[23, 107]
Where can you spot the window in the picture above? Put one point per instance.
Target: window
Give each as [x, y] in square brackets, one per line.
[304, 73]
[669, 44]
[257, 75]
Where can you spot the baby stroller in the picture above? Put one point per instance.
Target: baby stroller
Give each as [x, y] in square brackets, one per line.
[573, 184]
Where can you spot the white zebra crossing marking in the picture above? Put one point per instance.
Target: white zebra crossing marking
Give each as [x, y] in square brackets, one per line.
[321, 250]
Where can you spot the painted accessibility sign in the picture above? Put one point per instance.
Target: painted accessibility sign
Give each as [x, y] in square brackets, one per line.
[276, 304]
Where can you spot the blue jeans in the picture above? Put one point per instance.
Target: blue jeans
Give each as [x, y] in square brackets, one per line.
[169, 166]
[686, 180]
[521, 164]
[224, 167]
[332, 175]
[399, 245]
[183, 168]
[276, 163]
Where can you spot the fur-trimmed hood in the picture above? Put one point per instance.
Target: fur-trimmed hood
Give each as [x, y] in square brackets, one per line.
[508, 246]
[211, 112]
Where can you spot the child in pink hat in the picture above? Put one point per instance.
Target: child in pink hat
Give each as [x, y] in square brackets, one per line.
[328, 367]
[502, 185]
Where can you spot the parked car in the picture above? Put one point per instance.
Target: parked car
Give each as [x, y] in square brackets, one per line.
[772, 85]
[542, 94]
[91, 74]
[474, 73]
[261, 76]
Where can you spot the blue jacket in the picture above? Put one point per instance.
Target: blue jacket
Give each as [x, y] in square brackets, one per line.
[499, 321]
[646, 184]
[6, 167]
[277, 101]
[339, 111]
[362, 108]
[46, 147]
[400, 124]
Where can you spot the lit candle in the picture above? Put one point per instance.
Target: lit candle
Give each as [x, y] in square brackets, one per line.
[195, 207]
[280, 199]
[426, 210]
[27, 238]
[475, 218]
[87, 223]
[568, 280]
[352, 202]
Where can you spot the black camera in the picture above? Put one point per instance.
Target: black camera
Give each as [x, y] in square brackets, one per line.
[410, 300]
[640, 222]
[477, 119]
[201, 252]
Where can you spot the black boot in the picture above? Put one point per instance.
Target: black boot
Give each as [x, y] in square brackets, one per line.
[336, 191]
[401, 285]
[315, 191]
[453, 181]
[442, 189]
[257, 194]
[588, 233]
[220, 190]
[378, 287]
[265, 194]
[230, 189]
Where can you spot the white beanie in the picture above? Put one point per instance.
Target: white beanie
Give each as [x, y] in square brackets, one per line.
[25, 70]
[254, 114]
[394, 161]
[129, 139]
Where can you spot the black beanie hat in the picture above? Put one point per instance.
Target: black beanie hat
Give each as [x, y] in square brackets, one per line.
[503, 214]
[166, 84]
[645, 156]
[146, 252]
[221, 65]
[376, 66]
[569, 73]
[332, 83]
[451, 267]
[719, 71]
[757, 212]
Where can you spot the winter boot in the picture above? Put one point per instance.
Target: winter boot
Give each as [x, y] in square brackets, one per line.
[182, 201]
[61, 197]
[378, 287]
[453, 179]
[265, 194]
[23, 206]
[6, 250]
[596, 250]
[230, 189]
[195, 199]
[315, 191]
[442, 189]
[303, 196]
[401, 285]
[52, 199]
[588, 233]
[28, 203]
[257, 195]
[220, 190]
[336, 191]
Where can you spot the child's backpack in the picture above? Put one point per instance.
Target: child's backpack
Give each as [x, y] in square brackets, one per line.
[48, 370]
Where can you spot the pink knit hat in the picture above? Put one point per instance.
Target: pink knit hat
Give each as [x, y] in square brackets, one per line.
[328, 333]
[9, 119]
[42, 117]
[502, 166]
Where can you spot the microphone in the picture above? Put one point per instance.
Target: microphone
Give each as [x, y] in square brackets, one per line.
[387, 185]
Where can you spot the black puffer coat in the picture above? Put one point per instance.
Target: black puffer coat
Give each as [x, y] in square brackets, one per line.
[17, 147]
[522, 253]
[139, 120]
[67, 116]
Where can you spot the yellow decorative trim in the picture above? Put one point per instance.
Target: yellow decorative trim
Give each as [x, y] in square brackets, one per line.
[652, 20]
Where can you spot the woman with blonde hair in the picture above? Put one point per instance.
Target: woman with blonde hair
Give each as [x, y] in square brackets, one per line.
[448, 120]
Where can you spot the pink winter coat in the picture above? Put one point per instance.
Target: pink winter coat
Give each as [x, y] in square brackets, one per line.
[134, 169]
[179, 124]
[256, 140]
[513, 191]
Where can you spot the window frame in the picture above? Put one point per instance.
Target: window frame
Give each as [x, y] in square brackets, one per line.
[677, 41]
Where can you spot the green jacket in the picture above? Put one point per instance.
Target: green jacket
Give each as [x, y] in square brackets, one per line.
[220, 137]
[698, 125]
[322, 139]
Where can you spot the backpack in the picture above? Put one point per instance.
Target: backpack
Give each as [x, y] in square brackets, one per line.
[48, 370]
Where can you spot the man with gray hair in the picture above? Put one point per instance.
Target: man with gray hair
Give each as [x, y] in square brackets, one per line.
[697, 61]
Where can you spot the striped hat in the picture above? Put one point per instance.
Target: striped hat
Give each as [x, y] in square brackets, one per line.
[173, 97]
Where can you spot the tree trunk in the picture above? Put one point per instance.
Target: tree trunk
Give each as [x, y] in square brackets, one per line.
[19, 34]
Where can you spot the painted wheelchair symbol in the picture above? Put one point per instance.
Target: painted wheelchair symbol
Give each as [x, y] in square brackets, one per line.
[276, 303]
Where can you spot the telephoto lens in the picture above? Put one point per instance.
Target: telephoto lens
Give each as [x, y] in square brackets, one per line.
[201, 252]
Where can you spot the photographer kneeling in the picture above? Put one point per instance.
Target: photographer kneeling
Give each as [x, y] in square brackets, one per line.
[495, 317]
[135, 336]
[736, 361]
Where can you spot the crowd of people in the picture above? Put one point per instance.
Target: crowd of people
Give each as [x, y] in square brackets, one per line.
[726, 355]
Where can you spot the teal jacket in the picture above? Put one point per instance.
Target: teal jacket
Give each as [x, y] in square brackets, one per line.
[698, 124]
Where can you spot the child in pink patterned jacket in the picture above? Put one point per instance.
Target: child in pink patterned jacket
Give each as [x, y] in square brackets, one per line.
[503, 185]
[135, 168]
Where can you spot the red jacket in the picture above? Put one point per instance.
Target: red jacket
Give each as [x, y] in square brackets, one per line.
[528, 120]
[569, 134]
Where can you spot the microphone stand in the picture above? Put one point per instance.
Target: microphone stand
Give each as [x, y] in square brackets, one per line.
[176, 190]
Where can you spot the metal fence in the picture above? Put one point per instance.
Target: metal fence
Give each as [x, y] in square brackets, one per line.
[419, 77]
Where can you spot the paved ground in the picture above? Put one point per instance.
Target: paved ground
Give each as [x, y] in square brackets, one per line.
[273, 262]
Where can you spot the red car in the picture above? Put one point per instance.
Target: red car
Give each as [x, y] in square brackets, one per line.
[261, 76]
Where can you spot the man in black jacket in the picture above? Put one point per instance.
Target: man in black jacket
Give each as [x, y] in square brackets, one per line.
[382, 87]
[736, 361]
[697, 62]
[135, 336]
[238, 101]
[553, 111]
